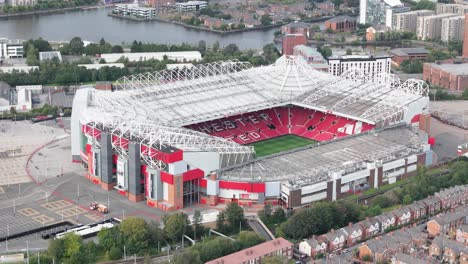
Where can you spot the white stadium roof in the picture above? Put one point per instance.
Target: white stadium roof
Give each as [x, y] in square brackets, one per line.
[216, 90]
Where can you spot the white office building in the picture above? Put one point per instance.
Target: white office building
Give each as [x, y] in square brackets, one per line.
[368, 65]
[134, 10]
[11, 48]
[191, 6]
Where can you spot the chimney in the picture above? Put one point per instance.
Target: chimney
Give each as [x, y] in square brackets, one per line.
[332, 231]
[314, 236]
[350, 224]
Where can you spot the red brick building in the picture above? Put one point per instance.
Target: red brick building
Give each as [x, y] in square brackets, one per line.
[453, 76]
[341, 24]
[276, 247]
[296, 28]
[402, 54]
[292, 40]
[465, 38]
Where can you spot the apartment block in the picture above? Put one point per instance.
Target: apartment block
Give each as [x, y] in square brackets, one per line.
[22, 2]
[408, 21]
[430, 27]
[452, 28]
[451, 9]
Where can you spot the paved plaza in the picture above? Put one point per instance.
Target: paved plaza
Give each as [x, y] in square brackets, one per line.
[453, 112]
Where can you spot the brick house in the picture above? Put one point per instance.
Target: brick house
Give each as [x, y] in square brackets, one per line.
[402, 258]
[462, 234]
[452, 197]
[336, 239]
[448, 223]
[418, 210]
[387, 220]
[403, 215]
[446, 249]
[371, 227]
[355, 233]
[433, 205]
[327, 6]
[296, 28]
[313, 246]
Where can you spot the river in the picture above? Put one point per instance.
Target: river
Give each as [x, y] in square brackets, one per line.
[94, 24]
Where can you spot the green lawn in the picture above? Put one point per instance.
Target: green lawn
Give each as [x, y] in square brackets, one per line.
[274, 145]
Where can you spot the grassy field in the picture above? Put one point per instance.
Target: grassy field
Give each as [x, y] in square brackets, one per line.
[274, 145]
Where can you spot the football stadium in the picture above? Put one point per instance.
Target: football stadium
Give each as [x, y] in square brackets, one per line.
[226, 131]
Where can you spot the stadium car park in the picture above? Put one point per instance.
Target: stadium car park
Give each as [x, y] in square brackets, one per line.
[183, 136]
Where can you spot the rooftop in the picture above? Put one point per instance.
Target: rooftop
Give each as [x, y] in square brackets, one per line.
[341, 19]
[311, 164]
[253, 252]
[408, 51]
[405, 258]
[459, 69]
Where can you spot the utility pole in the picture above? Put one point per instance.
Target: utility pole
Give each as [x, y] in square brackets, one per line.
[27, 250]
[125, 255]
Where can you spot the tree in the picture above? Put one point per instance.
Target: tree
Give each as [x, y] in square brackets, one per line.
[196, 222]
[230, 49]
[234, 216]
[76, 46]
[73, 245]
[315, 28]
[425, 5]
[187, 257]
[32, 56]
[249, 239]
[407, 199]
[12, 110]
[175, 225]
[110, 238]
[202, 46]
[56, 249]
[135, 234]
[373, 211]
[115, 253]
[278, 215]
[215, 46]
[266, 19]
[221, 222]
[465, 94]
[117, 49]
[349, 51]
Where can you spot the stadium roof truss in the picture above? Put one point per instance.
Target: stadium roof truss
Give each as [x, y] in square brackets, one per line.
[154, 106]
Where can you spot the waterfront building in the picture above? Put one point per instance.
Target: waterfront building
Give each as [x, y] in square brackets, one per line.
[373, 33]
[134, 10]
[312, 57]
[296, 28]
[341, 24]
[430, 27]
[402, 54]
[408, 21]
[179, 56]
[453, 76]
[22, 2]
[369, 65]
[380, 12]
[11, 48]
[191, 6]
[452, 28]
[292, 40]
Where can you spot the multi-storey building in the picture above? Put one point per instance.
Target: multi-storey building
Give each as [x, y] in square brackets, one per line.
[450, 76]
[407, 21]
[22, 2]
[341, 24]
[369, 65]
[430, 27]
[11, 48]
[452, 28]
[465, 38]
[380, 12]
[292, 40]
[133, 10]
[191, 6]
[312, 56]
[451, 8]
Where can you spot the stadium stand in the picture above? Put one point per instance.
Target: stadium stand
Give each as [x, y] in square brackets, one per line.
[279, 121]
